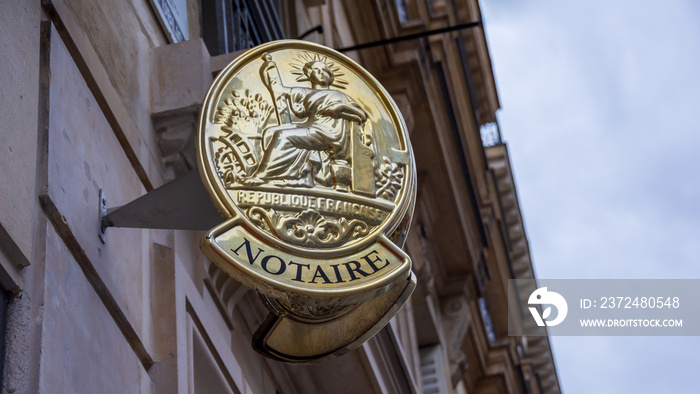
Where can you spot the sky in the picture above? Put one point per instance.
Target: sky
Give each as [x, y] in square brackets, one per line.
[600, 107]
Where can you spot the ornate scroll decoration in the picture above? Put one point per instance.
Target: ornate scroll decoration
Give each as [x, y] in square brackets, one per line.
[309, 228]
[389, 178]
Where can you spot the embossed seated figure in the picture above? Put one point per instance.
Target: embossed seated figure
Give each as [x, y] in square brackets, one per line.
[318, 149]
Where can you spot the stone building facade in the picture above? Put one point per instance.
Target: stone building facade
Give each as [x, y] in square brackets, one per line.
[99, 107]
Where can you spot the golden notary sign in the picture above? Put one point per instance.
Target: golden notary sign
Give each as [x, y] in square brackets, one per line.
[309, 159]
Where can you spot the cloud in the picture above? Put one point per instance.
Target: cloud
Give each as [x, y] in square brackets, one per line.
[600, 110]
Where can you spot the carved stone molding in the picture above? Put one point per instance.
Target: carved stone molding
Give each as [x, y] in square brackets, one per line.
[456, 318]
[227, 291]
[181, 75]
[537, 350]
[175, 132]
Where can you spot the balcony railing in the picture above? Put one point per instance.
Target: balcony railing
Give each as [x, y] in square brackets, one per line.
[234, 25]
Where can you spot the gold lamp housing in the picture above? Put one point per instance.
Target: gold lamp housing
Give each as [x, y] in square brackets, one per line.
[308, 158]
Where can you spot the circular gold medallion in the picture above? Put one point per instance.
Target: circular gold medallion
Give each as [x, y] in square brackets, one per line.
[308, 157]
[307, 148]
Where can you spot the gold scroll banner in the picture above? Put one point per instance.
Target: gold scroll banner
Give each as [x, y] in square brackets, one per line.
[356, 277]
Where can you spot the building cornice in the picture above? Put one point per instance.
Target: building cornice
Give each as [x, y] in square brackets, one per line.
[537, 352]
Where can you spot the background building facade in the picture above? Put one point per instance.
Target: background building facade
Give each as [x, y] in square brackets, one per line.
[100, 103]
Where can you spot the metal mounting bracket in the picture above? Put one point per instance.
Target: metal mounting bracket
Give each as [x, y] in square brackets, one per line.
[103, 213]
[182, 204]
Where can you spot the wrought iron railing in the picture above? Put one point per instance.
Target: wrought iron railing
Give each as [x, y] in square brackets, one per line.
[234, 25]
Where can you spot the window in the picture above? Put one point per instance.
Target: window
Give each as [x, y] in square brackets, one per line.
[234, 25]
[402, 10]
[486, 318]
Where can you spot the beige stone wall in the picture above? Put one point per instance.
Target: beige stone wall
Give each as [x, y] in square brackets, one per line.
[84, 156]
[82, 349]
[123, 33]
[19, 78]
[82, 319]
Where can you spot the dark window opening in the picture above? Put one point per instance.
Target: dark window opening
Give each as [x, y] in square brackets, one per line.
[4, 297]
[234, 25]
